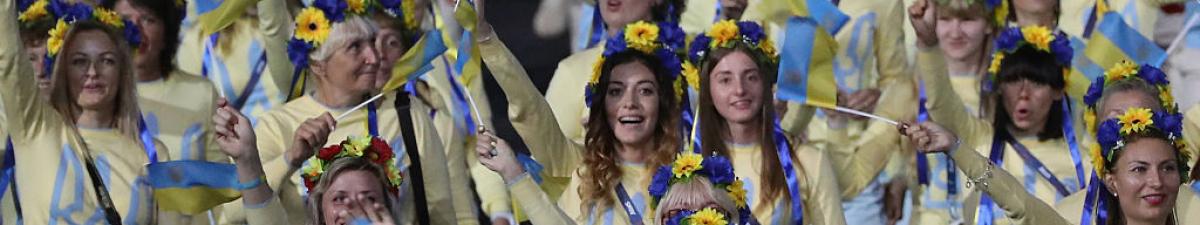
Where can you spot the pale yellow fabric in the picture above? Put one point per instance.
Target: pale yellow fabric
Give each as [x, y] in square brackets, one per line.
[566, 90]
[698, 16]
[238, 49]
[269, 213]
[635, 178]
[946, 108]
[275, 132]
[459, 142]
[1139, 14]
[534, 202]
[871, 54]
[530, 114]
[1007, 192]
[1191, 131]
[49, 157]
[818, 185]
[178, 110]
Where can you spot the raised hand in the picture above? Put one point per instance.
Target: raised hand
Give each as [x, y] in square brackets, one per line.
[931, 137]
[235, 135]
[363, 212]
[310, 137]
[924, 22]
[495, 154]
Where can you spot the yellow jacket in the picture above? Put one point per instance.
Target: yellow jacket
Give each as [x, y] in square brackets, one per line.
[817, 182]
[565, 93]
[275, 131]
[1009, 194]
[178, 110]
[946, 108]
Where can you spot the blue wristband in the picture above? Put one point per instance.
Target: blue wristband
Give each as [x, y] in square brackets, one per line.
[241, 186]
[360, 221]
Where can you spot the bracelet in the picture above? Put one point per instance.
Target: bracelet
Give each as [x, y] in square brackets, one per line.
[242, 186]
[980, 183]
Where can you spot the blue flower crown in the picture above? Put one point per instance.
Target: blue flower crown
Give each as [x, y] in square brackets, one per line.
[67, 14]
[726, 33]
[315, 22]
[663, 40]
[705, 216]
[1038, 37]
[400, 9]
[688, 165]
[1115, 133]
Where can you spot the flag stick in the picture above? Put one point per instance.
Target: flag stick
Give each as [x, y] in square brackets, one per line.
[1183, 33]
[369, 101]
[851, 111]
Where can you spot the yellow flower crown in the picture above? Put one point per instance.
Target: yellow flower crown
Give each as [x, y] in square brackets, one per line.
[1038, 37]
[661, 40]
[726, 33]
[1114, 134]
[1122, 71]
[67, 14]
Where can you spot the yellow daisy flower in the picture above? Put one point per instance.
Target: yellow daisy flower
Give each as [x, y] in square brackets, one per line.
[1038, 36]
[1168, 99]
[55, 42]
[596, 68]
[686, 163]
[109, 17]
[641, 36]
[357, 146]
[1089, 120]
[1097, 159]
[1135, 120]
[708, 216]
[36, 11]
[312, 26]
[737, 192]
[767, 46]
[722, 32]
[1121, 70]
[995, 66]
[1002, 12]
[691, 74]
[409, 7]
[356, 6]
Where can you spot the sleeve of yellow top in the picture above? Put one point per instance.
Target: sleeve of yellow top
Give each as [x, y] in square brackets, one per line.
[275, 21]
[529, 112]
[267, 213]
[22, 108]
[272, 148]
[536, 205]
[945, 106]
[492, 199]
[1007, 192]
[796, 119]
[823, 195]
[440, 203]
[1191, 132]
[570, 200]
[212, 151]
[890, 53]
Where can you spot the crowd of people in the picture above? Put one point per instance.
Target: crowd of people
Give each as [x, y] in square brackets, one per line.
[668, 112]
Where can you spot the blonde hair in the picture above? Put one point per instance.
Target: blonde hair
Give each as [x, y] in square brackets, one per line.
[126, 114]
[696, 191]
[342, 34]
[338, 167]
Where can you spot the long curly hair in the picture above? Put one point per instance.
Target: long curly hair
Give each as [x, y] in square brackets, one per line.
[714, 131]
[602, 171]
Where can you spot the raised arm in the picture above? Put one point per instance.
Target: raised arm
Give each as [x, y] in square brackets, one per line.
[276, 25]
[528, 111]
[823, 198]
[24, 111]
[236, 139]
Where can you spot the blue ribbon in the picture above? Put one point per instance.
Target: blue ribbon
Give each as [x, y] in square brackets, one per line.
[635, 217]
[597, 28]
[1093, 207]
[372, 120]
[1069, 133]
[147, 140]
[793, 182]
[923, 160]
[460, 99]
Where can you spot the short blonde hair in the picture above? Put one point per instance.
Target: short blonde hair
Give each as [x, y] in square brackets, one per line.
[343, 34]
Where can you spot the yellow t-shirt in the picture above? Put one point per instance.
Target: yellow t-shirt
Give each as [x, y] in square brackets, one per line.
[178, 111]
[275, 132]
[635, 178]
[820, 195]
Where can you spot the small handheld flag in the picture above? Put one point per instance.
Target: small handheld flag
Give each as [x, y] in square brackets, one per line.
[193, 187]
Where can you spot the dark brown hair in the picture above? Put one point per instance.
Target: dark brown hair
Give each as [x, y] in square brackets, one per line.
[600, 160]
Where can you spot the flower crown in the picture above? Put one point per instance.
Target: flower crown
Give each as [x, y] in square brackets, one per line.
[315, 22]
[726, 33]
[999, 7]
[400, 9]
[1115, 133]
[1038, 37]
[662, 40]
[33, 11]
[371, 148]
[688, 165]
[1121, 71]
[706, 216]
[67, 14]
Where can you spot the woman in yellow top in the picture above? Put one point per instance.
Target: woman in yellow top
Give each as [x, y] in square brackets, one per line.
[737, 119]
[177, 107]
[87, 132]
[1140, 168]
[34, 32]
[566, 90]
[335, 46]
[1031, 133]
[635, 128]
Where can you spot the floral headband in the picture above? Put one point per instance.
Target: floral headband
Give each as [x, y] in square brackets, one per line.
[1040, 38]
[67, 14]
[371, 148]
[662, 40]
[706, 216]
[1127, 70]
[726, 33]
[314, 23]
[1115, 133]
[688, 165]
[400, 9]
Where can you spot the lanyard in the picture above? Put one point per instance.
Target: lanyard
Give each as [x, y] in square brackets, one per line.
[635, 217]
[789, 172]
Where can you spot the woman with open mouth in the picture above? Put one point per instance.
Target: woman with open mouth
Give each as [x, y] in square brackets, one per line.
[633, 129]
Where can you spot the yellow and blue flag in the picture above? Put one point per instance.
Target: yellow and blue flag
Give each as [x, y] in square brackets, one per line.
[806, 64]
[416, 60]
[214, 15]
[1111, 42]
[192, 187]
